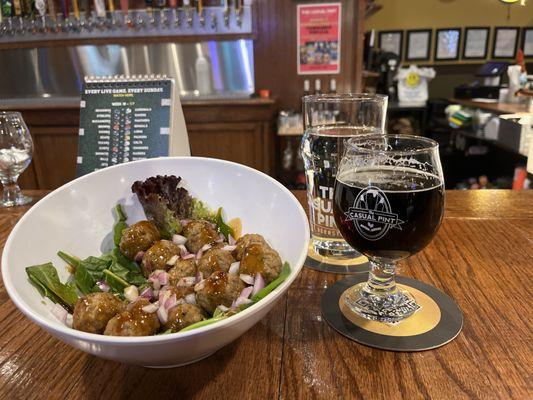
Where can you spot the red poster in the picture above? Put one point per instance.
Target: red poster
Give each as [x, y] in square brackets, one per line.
[319, 38]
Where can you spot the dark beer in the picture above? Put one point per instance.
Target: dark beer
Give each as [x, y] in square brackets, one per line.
[390, 213]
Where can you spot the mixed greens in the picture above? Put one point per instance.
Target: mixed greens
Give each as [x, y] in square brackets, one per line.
[170, 209]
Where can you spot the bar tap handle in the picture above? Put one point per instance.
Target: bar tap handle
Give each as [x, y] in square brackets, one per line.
[173, 4]
[99, 9]
[214, 20]
[227, 13]
[111, 21]
[66, 25]
[40, 6]
[76, 10]
[150, 12]
[189, 12]
[17, 6]
[124, 7]
[200, 11]
[163, 20]
[238, 11]
[52, 15]
[86, 21]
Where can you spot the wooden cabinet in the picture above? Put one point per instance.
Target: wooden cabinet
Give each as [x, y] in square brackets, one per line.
[236, 130]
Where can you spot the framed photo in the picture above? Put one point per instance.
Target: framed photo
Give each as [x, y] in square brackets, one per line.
[418, 45]
[527, 42]
[505, 42]
[476, 43]
[447, 42]
[391, 41]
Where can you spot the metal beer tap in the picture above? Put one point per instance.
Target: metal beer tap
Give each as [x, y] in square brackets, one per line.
[227, 13]
[201, 12]
[238, 11]
[188, 12]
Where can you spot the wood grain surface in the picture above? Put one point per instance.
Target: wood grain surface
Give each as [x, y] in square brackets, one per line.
[482, 257]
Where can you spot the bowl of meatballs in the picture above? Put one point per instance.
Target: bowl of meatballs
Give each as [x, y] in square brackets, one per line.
[159, 262]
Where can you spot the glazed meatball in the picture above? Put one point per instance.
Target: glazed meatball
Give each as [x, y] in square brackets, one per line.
[156, 257]
[261, 258]
[134, 321]
[181, 269]
[180, 291]
[245, 241]
[220, 288]
[198, 234]
[215, 259]
[138, 237]
[93, 312]
[182, 316]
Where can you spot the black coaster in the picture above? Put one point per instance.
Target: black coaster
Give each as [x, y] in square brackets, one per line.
[438, 321]
[338, 266]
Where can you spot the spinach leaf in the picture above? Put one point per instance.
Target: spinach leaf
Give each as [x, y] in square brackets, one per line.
[71, 260]
[115, 282]
[84, 280]
[45, 278]
[223, 228]
[126, 269]
[120, 225]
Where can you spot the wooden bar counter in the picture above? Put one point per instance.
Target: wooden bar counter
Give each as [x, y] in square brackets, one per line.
[482, 257]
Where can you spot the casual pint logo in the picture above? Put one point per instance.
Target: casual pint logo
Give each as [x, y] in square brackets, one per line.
[371, 214]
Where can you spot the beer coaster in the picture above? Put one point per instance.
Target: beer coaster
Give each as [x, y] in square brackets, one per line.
[438, 321]
[336, 265]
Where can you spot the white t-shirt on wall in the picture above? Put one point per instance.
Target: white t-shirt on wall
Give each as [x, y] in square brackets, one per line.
[413, 84]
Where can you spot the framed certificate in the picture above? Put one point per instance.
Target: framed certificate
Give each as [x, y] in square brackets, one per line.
[527, 42]
[391, 41]
[505, 42]
[476, 43]
[447, 43]
[418, 45]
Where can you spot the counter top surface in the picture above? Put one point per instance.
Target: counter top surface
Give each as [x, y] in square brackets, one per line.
[482, 256]
[499, 108]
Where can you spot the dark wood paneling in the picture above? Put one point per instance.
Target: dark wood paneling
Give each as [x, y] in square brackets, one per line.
[275, 50]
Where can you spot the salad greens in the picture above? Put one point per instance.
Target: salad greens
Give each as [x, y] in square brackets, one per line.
[224, 228]
[46, 279]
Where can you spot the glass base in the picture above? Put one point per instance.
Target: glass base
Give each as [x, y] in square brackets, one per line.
[390, 308]
[19, 201]
[334, 248]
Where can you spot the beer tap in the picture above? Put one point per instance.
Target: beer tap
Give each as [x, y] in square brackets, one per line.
[163, 20]
[40, 6]
[238, 11]
[52, 15]
[173, 5]
[214, 20]
[76, 10]
[99, 9]
[150, 12]
[5, 15]
[65, 12]
[227, 13]
[18, 16]
[111, 22]
[200, 11]
[124, 7]
[188, 12]
[86, 21]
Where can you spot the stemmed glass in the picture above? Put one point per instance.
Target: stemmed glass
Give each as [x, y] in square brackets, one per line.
[388, 205]
[16, 149]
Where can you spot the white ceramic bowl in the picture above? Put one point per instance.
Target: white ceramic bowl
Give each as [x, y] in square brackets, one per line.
[78, 216]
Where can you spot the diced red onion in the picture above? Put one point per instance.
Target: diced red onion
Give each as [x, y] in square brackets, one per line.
[131, 293]
[259, 283]
[103, 286]
[223, 308]
[139, 257]
[171, 302]
[246, 292]
[190, 298]
[163, 278]
[231, 240]
[162, 314]
[172, 260]
[179, 239]
[220, 239]
[199, 286]
[155, 294]
[234, 268]
[147, 293]
[199, 277]
[187, 257]
[242, 300]
[229, 248]
[201, 252]
[248, 279]
[186, 281]
[163, 296]
[183, 250]
[184, 222]
[69, 320]
[60, 313]
[151, 308]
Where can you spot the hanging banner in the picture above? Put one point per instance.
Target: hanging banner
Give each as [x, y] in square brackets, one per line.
[319, 38]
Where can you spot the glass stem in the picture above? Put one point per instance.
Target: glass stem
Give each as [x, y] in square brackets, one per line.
[11, 190]
[381, 281]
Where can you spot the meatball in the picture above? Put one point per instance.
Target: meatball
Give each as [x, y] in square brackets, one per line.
[156, 257]
[134, 321]
[93, 312]
[215, 259]
[245, 241]
[183, 315]
[180, 291]
[181, 269]
[220, 288]
[198, 234]
[261, 258]
[138, 237]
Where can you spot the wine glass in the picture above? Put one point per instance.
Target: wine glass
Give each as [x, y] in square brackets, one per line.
[388, 205]
[16, 149]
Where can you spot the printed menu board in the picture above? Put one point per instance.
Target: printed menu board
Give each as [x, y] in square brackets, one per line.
[319, 38]
[123, 120]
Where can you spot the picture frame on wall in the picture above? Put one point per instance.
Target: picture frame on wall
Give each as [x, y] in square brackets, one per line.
[447, 43]
[391, 41]
[527, 42]
[505, 42]
[418, 45]
[476, 43]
